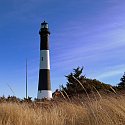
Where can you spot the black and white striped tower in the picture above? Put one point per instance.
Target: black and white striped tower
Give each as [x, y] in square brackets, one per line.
[44, 87]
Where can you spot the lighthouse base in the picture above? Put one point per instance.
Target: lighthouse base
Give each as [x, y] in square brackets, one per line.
[44, 94]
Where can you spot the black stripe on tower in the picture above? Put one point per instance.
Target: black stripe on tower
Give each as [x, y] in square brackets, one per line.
[44, 42]
[44, 36]
[44, 78]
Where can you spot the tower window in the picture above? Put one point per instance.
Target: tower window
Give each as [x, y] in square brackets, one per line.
[42, 58]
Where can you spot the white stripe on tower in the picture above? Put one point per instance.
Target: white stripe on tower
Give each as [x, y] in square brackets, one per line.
[44, 87]
[44, 59]
[44, 94]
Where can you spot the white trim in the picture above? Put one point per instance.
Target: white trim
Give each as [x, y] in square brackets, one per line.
[44, 94]
[44, 59]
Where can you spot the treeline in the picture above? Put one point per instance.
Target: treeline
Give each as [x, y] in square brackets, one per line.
[14, 99]
[79, 84]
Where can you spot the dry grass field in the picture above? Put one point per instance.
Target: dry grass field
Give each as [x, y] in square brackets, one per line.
[106, 110]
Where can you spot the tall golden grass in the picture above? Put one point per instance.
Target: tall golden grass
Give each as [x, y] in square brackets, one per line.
[108, 110]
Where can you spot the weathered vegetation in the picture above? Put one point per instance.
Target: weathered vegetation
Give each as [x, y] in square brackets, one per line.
[107, 110]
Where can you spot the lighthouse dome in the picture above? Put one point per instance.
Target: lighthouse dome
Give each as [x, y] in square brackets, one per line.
[44, 25]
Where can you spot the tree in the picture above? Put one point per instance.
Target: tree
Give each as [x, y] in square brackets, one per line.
[79, 84]
[72, 86]
[122, 83]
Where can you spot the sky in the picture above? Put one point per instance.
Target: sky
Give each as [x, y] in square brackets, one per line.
[88, 33]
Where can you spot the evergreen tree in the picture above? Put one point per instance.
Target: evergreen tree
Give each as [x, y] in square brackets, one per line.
[72, 86]
[78, 84]
[122, 83]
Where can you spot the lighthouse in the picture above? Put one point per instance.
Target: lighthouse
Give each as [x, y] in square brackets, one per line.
[44, 85]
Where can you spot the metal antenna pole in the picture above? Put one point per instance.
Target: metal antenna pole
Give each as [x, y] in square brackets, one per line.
[26, 78]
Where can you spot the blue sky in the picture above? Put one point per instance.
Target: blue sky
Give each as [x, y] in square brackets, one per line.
[89, 33]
